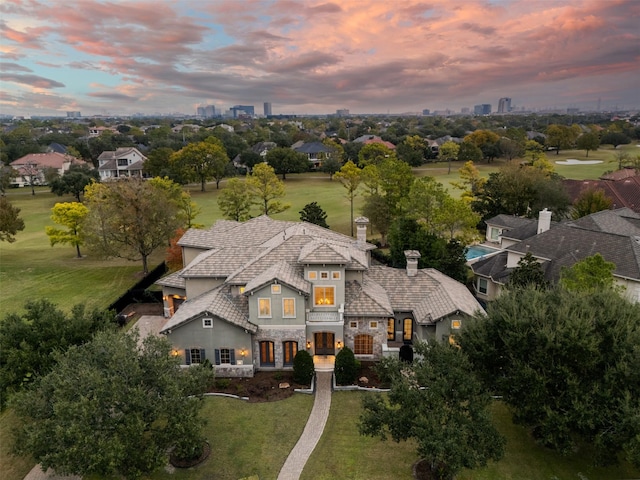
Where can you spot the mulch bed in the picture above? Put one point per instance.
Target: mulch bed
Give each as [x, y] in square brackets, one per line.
[265, 386]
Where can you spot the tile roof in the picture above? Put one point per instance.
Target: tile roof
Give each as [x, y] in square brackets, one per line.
[217, 302]
[366, 299]
[318, 252]
[172, 280]
[621, 187]
[509, 221]
[283, 272]
[50, 159]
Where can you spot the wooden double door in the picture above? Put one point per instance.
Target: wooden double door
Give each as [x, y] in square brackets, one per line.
[324, 343]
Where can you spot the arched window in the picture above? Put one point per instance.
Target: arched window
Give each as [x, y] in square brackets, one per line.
[363, 345]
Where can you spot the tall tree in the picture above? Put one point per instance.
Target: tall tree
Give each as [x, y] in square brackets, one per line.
[615, 139]
[560, 137]
[313, 213]
[449, 151]
[486, 141]
[567, 364]
[129, 219]
[10, 221]
[448, 418]
[376, 209]
[70, 215]
[203, 161]
[528, 273]
[588, 141]
[471, 183]
[412, 150]
[6, 175]
[114, 408]
[29, 339]
[267, 189]
[350, 176]
[373, 154]
[235, 200]
[286, 160]
[188, 210]
[158, 164]
[74, 180]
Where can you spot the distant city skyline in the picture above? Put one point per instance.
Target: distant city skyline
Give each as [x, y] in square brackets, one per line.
[315, 56]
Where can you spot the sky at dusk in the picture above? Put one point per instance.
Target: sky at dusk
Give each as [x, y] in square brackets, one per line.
[316, 56]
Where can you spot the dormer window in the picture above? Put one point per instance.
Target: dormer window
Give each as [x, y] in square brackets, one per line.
[335, 275]
[324, 275]
[276, 289]
[312, 275]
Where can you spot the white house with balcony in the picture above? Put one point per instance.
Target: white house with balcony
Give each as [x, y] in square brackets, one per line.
[252, 294]
[123, 162]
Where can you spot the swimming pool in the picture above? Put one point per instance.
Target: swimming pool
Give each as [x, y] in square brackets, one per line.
[475, 251]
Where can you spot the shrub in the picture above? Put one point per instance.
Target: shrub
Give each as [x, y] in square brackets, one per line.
[222, 382]
[346, 367]
[303, 369]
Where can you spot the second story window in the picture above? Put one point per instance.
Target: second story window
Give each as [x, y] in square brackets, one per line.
[264, 307]
[324, 296]
[123, 162]
[289, 307]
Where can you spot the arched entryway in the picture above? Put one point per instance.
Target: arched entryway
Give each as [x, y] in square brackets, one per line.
[324, 343]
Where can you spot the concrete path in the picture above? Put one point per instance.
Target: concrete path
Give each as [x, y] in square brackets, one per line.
[149, 325]
[292, 468]
[36, 473]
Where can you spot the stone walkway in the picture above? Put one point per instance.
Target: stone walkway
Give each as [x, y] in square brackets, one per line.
[292, 468]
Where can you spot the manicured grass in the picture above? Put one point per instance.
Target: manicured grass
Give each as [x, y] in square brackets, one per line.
[11, 467]
[343, 453]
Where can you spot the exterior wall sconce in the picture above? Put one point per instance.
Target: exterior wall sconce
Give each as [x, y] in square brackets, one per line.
[243, 352]
[175, 353]
[339, 344]
[308, 345]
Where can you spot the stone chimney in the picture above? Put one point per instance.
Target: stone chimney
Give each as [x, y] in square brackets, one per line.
[544, 221]
[412, 262]
[361, 229]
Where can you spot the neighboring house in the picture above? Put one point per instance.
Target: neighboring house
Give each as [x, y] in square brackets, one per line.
[366, 139]
[621, 187]
[34, 166]
[261, 148]
[97, 131]
[614, 234]
[57, 148]
[252, 294]
[316, 152]
[124, 162]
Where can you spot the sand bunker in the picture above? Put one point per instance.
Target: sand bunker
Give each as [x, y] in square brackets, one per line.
[573, 161]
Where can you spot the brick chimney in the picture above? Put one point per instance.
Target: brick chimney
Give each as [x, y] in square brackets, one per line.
[412, 262]
[361, 229]
[544, 221]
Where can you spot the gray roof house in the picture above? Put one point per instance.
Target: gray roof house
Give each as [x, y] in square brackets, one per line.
[614, 234]
[123, 162]
[252, 294]
[316, 153]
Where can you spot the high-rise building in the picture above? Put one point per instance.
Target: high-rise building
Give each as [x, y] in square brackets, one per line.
[206, 111]
[504, 105]
[483, 109]
[426, 111]
[342, 112]
[73, 115]
[267, 109]
[242, 110]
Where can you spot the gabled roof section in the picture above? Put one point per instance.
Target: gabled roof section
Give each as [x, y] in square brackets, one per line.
[622, 221]
[174, 280]
[493, 267]
[50, 159]
[429, 294]
[366, 300]
[217, 302]
[283, 273]
[313, 147]
[509, 221]
[218, 262]
[319, 252]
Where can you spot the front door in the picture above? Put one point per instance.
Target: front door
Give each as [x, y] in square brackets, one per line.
[324, 343]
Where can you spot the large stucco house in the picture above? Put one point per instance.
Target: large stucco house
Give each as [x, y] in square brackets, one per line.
[252, 294]
[32, 167]
[614, 234]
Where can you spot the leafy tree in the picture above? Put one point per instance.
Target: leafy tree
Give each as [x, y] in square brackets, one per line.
[313, 213]
[566, 362]
[235, 200]
[159, 164]
[615, 139]
[286, 160]
[346, 367]
[173, 257]
[448, 418]
[522, 191]
[29, 339]
[203, 161]
[412, 150]
[453, 262]
[510, 148]
[588, 141]
[469, 152]
[560, 137]
[70, 215]
[589, 274]
[456, 219]
[113, 407]
[622, 158]
[486, 141]
[6, 175]
[266, 188]
[250, 159]
[407, 234]
[590, 201]
[396, 178]
[74, 180]
[373, 154]
[350, 176]
[376, 209]
[187, 208]
[130, 219]
[471, 183]
[449, 151]
[528, 273]
[10, 221]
